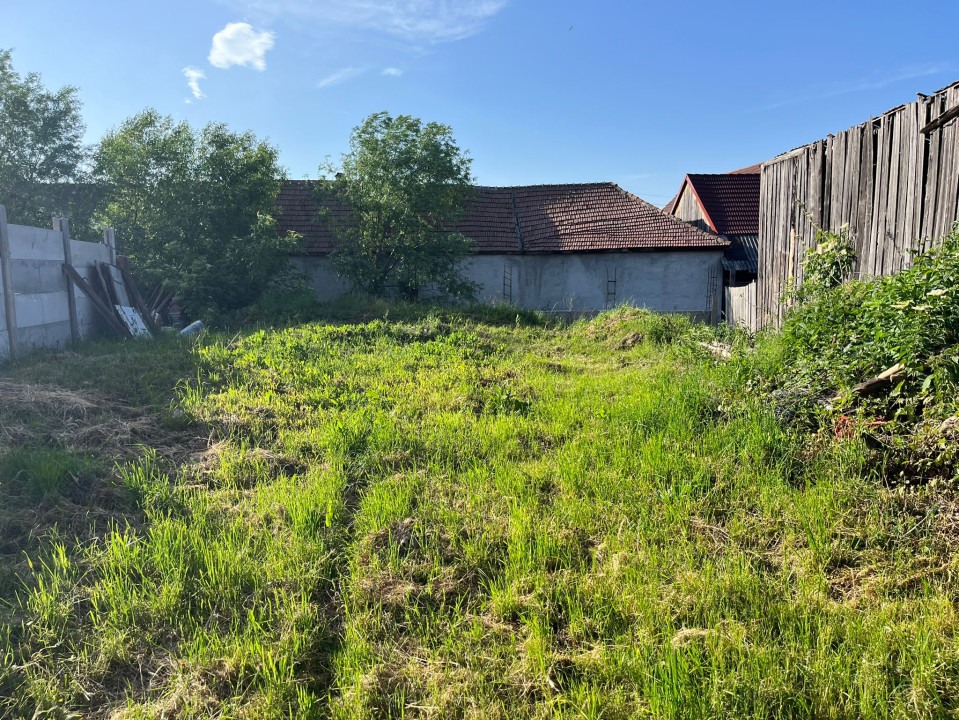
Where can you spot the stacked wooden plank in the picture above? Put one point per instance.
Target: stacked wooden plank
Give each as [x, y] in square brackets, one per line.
[115, 296]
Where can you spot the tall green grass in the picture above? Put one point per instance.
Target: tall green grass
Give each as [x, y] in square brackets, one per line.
[440, 516]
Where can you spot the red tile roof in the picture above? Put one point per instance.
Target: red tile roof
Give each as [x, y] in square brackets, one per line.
[730, 201]
[490, 221]
[533, 219]
[296, 211]
[750, 170]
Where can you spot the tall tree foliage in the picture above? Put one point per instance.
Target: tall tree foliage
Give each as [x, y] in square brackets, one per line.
[405, 184]
[194, 208]
[40, 146]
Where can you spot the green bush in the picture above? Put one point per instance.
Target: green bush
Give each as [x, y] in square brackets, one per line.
[826, 265]
[849, 332]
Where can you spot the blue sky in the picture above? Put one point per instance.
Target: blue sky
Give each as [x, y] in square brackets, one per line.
[639, 93]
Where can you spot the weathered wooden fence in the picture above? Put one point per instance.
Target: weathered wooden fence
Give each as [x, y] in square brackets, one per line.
[893, 181]
[41, 307]
[741, 305]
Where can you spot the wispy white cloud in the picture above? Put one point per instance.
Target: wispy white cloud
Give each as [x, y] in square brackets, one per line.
[824, 92]
[240, 44]
[340, 76]
[418, 21]
[391, 72]
[193, 76]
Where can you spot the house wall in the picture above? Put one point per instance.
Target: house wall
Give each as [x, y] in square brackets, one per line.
[666, 281]
[689, 209]
[40, 288]
[321, 277]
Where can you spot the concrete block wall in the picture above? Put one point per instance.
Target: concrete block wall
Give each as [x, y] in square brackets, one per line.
[4, 335]
[40, 288]
[575, 283]
[84, 255]
[664, 280]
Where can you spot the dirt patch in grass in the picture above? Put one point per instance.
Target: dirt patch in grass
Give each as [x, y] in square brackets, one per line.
[629, 341]
[62, 402]
[54, 416]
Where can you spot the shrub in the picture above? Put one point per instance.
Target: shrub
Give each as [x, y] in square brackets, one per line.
[840, 334]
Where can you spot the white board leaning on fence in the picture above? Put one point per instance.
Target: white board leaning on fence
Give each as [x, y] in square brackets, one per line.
[131, 318]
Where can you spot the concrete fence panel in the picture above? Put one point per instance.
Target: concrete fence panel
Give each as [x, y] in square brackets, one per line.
[85, 254]
[4, 335]
[36, 290]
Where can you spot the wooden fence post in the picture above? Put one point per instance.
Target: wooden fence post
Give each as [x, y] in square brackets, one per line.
[9, 305]
[110, 240]
[63, 226]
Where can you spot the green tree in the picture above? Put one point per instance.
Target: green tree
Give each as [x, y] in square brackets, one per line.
[406, 184]
[40, 146]
[194, 208]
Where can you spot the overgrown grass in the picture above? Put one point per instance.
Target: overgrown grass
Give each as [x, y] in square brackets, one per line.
[437, 515]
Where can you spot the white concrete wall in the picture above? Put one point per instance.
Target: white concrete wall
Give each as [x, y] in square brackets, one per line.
[322, 277]
[4, 336]
[40, 288]
[663, 281]
[84, 255]
[666, 281]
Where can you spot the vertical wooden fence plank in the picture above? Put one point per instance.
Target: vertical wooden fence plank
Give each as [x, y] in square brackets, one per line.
[62, 225]
[109, 240]
[850, 200]
[9, 306]
[952, 100]
[889, 259]
[838, 178]
[908, 192]
[882, 191]
[931, 185]
[919, 171]
[828, 159]
[864, 212]
[947, 175]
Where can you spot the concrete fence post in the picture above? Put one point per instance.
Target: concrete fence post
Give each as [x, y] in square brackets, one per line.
[109, 240]
[62, 225]
[6, 272]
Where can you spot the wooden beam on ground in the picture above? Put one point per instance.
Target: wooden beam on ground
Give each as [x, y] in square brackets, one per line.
[719, 350]
[873, 386]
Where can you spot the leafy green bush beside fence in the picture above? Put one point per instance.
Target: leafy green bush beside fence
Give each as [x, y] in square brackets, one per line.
[839, 335]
